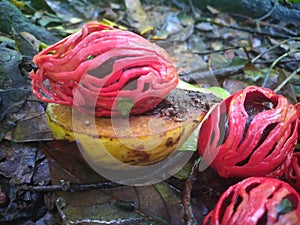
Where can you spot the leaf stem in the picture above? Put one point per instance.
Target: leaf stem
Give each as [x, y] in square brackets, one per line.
[287, 80]
[274, 64]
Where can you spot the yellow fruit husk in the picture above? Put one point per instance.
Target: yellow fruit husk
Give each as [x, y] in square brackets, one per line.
[146, 140]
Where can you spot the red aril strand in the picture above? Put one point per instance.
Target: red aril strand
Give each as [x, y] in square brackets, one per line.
[297, 106]
[292, 173]
[251, 133]
[257, 200]
[95, 68]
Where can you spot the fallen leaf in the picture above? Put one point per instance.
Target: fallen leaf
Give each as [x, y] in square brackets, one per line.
[66, 163]
[11, 76]
[233, 86]
[172, 24]
[155, 204]
[22, 162]
[218, 61]
[196, 44]
[19, 164]
[204, 26]
[152, 204]
[136, 13]
[33, 125]
[252, 73]
[216, 91]
[11, 103]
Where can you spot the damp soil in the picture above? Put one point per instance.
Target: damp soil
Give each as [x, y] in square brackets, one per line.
[181, 103]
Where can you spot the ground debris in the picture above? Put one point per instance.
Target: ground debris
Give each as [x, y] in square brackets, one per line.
[22, 164]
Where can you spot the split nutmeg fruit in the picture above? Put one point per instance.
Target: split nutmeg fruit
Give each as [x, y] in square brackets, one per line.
[257, 200]
[251, 133]
[117, 77]
[104, 62]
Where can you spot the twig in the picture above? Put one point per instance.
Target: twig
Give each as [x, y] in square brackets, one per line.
[274, 64]
[266, 15]
[270, 61]
[186, 200]
[219, 50]
[249, 30]
[220, 73]
[60, 204]
[66, 186]
[278, 27]
[256, 7]
[273, 47]
[195, 13]
[262, 33]
[249, 21]
[287, 80]
[269, 13]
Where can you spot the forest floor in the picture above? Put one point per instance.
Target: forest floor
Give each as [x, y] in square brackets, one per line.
[43, 183]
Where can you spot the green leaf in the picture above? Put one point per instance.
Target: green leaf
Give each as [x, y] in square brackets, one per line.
[125, 105]
[90, 57]
[191, 143]
[237, 61]
[216, 91]
[218, 61]
[293, 1]
[284, 206]
[254, 75]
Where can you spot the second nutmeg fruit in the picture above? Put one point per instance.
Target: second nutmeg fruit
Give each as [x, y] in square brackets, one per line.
[251, 133]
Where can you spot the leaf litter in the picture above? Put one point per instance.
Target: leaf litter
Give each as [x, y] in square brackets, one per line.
[203, 45]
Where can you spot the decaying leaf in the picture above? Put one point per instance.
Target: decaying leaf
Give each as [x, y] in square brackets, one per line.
[196, 44]
[33, 125]
[21, 165]
[12, 101]
[152, 204]
[135, 11]
[10, 75]
[156, 204]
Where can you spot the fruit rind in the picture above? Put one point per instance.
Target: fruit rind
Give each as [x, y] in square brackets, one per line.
[142, 146]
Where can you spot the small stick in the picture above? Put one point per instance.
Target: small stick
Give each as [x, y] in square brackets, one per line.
[252, 31]
[266, 15]
[186, 200]
[287, 80]
[66, 186]
[220, 73]
[274, 64]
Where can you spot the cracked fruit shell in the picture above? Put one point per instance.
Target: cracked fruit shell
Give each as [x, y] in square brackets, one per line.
[135, 140]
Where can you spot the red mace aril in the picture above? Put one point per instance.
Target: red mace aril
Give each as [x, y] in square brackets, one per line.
[297, 106]
[96, 68]
[257, 200]
[251, 133]
[292, 173]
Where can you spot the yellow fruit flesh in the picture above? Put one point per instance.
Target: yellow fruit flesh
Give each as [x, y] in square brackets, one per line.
[147, 140]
